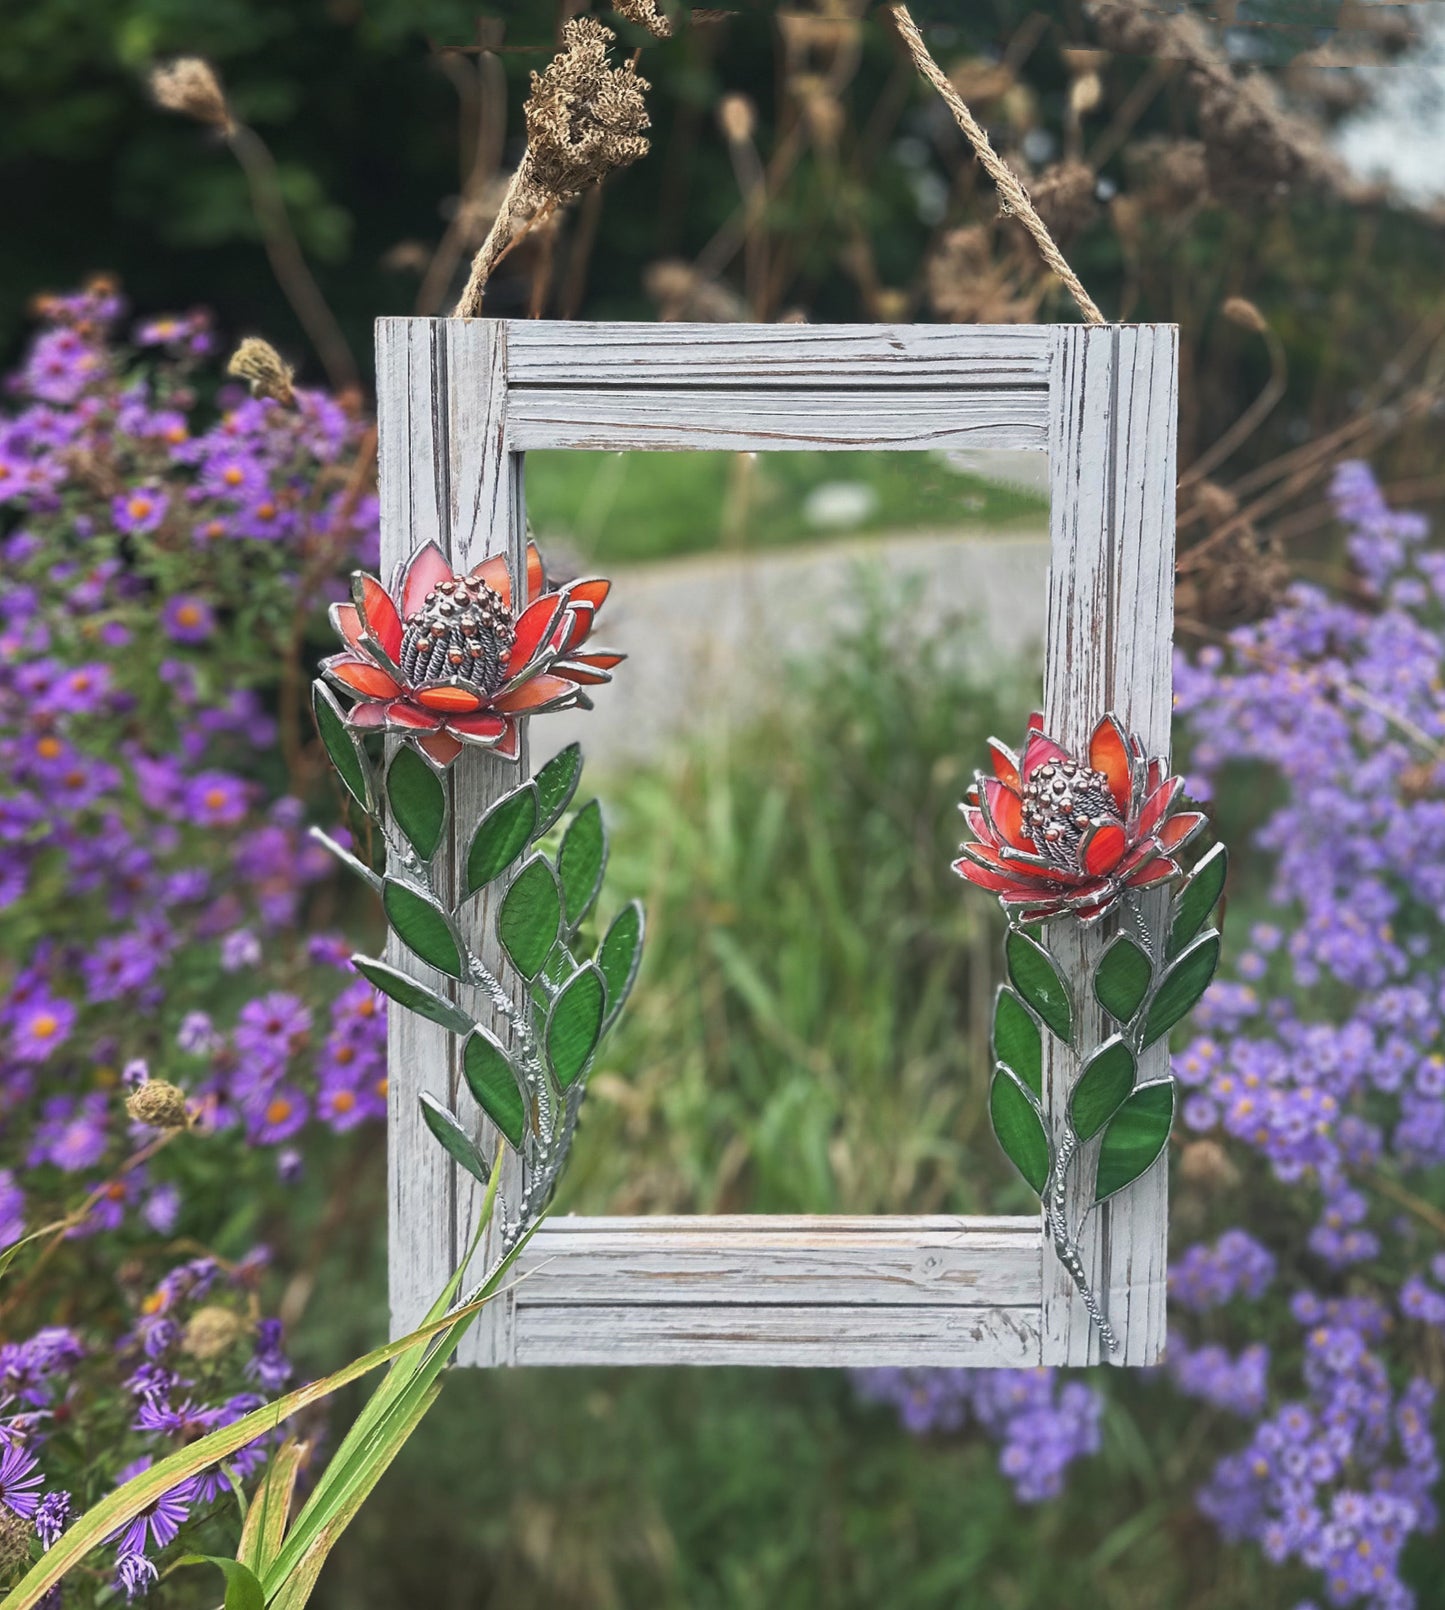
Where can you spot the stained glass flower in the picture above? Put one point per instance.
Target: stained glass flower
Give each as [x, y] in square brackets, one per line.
[447, 660]
[1057, 833]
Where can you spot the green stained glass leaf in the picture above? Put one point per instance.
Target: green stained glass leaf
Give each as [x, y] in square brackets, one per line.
[620, 954]
[405, 991]
[1034, 976]
[462, 1149]
[529, 916]
[1017, 1042]
[418, 801]
[574, 1025]
[556, 784]
[501, 836]
[341, 744]
[1137, 1134]
[1019, 1128]
[581, 862]
[1182, 986]
[1197, 899]
[1122, 979]
[492, 1081]
[1102, 1087]
[422, 926]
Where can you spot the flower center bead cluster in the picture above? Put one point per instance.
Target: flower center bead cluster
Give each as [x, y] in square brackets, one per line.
[462, 629]
[1061, 802]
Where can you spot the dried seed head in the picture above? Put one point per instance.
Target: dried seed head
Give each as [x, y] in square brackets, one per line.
[211, 1332]
[684, 295]
[15, 1535]
[259, 364]
[1063, 196]
[646, 15]
[1085, 94]
[159, 1104]
[967, 283]
[737, 118]
[584, 117]
[1173, 173]
[1205, 1163]
[1245, 314]
[189, 86]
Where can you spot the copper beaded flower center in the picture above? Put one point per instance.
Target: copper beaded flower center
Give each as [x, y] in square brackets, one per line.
[1063, 802]
[463, 629]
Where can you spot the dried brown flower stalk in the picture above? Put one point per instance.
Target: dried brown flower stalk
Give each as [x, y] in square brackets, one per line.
[585, 118]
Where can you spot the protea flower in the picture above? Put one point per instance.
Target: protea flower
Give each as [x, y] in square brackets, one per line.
[1058, 834]
[447, 660]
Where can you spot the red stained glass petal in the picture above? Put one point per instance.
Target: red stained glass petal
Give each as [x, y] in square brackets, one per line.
[1005, 762]
[994, 882]
[407, 718]
[1156, 807]
[427, 570]
[1109, 753]
[363, 676]
[579, 625]
[602, 659]
[978, 825]
[346, 622]
[495, 574]
[536, 575]
[541, 690]
[1036, 722]
[1179, 829]
[593, 591]
[379, 612]
[1039, 751]
[1007, 811]
[583, 674]
[441, 746]
[533, 629]
[484, 727]
[366, 715]
[449, 699]
[1159, 870]
[1104, 849]
[509, 745]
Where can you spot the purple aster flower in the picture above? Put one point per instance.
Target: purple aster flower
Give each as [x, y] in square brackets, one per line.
[188, 618]
[52, 1517]
[141, 509]
[277, 1116]
[216, 799]
[12, 1209]
[239, 950]
[41, 1025]
[197, 1035]
[20, 1480]
[159, 1521]
[135, 1575]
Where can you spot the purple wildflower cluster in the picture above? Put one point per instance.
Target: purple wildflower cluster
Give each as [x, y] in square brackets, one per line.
[1042, 1423]
[163, 563]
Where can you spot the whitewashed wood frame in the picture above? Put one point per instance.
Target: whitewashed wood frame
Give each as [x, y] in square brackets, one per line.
[460, 402]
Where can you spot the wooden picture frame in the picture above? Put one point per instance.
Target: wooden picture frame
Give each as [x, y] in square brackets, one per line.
[460, 404]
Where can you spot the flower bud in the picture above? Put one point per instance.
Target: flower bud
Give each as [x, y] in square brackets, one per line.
[1245, 314]
[211, 1331]
[158, 1104]
[737, 118]
[189, 86]
[259, 364]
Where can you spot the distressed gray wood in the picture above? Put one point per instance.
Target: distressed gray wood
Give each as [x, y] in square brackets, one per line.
[459, 403]
[1109, 646]
[775, 419]
[445, 476]
[819, 1336]
[781, 1259]
[750, 357]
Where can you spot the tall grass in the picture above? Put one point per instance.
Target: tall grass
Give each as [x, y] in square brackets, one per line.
[809, 1031]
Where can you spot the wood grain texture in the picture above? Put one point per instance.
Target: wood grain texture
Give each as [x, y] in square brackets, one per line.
[779, 1259]
[773, 419]
[813, 357]
[445, 476]
[764, 1334]
[1109, 647]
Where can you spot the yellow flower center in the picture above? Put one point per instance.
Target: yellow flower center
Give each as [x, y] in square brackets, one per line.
[48, 747]
[278, 1111]
[343, 1101]
[45, 1025]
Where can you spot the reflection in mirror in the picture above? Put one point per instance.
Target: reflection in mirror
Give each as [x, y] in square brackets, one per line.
[819, 644]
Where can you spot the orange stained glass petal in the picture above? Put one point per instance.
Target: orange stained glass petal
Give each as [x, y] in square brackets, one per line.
[427, 570]
[441, 746]
[602, 659]
[448, 699]
[536, 574]
[583, 674]
[1109, 753]
[1104, 849]
[1156, 807]
[533, 628]
[1005, 762]
[541, 690]
[409, 717]
[346, 619]
[485, 724]
[380, 613]
[495, 574]
[1007, 810]
[576, 625]
[1180, 828]
[364, 677]
[509, 745]
[593, 592]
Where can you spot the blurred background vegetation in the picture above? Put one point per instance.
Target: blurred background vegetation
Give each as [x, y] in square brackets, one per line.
[807, 1033]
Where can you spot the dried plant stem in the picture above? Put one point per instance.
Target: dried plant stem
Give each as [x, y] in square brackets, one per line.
[288, 263]
[1244, 427]
[492, 250]
[1014, 197]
